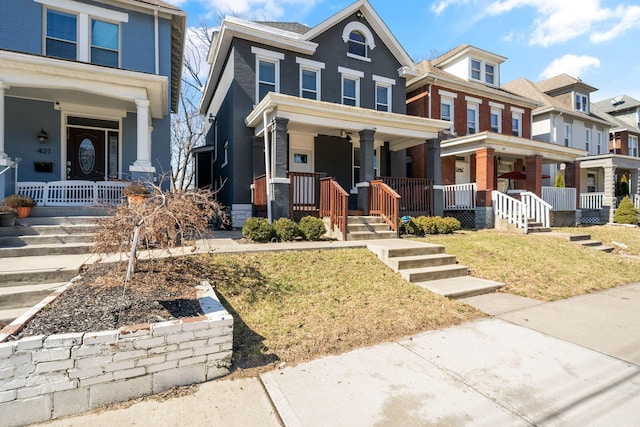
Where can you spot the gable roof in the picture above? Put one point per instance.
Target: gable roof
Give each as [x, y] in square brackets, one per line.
[618, 103]
[562, 81]
[465, 50]
[429, 72]
[617, 123]
[526, 87]
[288, 36]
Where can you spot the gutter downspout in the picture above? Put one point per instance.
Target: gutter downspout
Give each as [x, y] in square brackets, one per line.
[156, 40]
[267, 163]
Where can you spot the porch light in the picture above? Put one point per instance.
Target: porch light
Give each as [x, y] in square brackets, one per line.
[43, 137]
[212, 118]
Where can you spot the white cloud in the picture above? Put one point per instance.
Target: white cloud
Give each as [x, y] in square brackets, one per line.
[629, 18]
[440, 6]
[574, 65]
[260, 9]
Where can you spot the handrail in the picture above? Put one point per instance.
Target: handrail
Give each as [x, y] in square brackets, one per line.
[334, 204]
[416, 194]
[13, 163]
[385, 202]
[536, 208]
[513, 210]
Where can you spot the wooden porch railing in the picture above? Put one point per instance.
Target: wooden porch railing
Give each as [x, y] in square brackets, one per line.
[385, 202]
[591, 200]
[259, 195]
[304, 193]
[334, 204]
[416, 194]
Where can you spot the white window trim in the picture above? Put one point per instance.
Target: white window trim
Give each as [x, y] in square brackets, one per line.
[586, 102]
[351, 72]
[483, 71]
[389, 95]
[588, 141]
[449, 101]
[520, 115]
[368, 38]
[599, 137]
[498, 112]
[471, 99]
[353, 75]
[310, 63]
[447, 94]
[266, 56]
[633, 145]
[476, 108]
[517, 110]
[384, 80]
[84, 14]
[82, 8]
[226, 154]
[496, 105]
[566, 134]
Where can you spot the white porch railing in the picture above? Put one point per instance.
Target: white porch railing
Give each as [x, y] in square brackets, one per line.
[73, 193]
[561, 199]
[591, 200]
[513, 210]
[636, 201]
[459, 196]
[536, 208]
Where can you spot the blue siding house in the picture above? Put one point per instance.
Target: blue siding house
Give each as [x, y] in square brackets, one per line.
[287, 104]
[86, 92]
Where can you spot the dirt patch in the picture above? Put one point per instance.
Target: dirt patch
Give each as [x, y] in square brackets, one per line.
[159, 291]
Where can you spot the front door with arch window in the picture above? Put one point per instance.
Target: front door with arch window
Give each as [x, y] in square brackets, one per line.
[86, 154]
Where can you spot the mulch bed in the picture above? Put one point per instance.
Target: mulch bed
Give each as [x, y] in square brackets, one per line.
[159, 290]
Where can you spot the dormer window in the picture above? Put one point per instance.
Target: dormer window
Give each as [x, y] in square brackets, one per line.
[582, 103]
[359, 40]
[484, 72]
[357, 44]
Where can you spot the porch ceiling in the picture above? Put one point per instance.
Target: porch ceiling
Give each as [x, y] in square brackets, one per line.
[326, 118]
[75, 83]
[617, 161]
[505, 145]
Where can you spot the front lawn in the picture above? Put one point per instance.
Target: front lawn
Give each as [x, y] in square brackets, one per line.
[540, 267]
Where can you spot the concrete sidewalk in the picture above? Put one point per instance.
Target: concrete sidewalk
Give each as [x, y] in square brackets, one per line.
[571, 362]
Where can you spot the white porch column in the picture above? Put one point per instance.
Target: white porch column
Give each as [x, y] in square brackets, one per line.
[4, 159]
[143, 143]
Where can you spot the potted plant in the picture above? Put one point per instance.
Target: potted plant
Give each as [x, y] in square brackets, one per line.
[7, 216]
[136, 193]
[21, 203]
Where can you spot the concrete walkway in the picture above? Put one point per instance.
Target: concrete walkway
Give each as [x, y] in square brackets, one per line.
[574, 362]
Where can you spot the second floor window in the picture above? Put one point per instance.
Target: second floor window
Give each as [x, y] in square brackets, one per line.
[472, 119]
[383, 98]
[104, 43]
[496, 120]
[567, 135]
[309, 84]
[266, 77]
[350, 91]
[489, 73]
[62, 39]
[516, 124]
[633, 146]
[476, 68]
[588, 141]
[599, 146]
[582, 103]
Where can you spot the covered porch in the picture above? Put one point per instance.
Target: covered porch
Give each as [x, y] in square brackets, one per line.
[477, 168]
[307, 140]
[63, 121]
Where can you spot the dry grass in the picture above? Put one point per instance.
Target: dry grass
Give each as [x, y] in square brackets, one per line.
[608, 234]
[539, 267]
[295, 306]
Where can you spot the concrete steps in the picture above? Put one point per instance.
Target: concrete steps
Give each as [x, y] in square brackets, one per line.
[582, 239]
[427, 265]
[368, 228]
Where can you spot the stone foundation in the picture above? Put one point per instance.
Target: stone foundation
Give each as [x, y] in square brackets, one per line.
[46, 377]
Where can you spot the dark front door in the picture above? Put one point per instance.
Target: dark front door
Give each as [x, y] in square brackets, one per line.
[85, 154]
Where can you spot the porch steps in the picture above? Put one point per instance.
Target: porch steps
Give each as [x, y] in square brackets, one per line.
[427, 265]
[536, 227]
[582, 239]
[368, 228]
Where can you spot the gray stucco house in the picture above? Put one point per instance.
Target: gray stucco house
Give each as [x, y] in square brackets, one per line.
[86, 92]
[288, 104]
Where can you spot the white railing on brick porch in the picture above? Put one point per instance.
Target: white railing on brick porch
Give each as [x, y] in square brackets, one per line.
[536, 208]
[73, 193]
[561, 199]
[513, 210]
[459, 197]
[591, 200]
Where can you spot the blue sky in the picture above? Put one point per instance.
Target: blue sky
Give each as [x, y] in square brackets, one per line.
[591, 39]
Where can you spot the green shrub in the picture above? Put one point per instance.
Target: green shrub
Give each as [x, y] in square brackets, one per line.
[285, 229]
[410, 227]
[626, 212]
[437, 224]
[258, 229]
[312, 228]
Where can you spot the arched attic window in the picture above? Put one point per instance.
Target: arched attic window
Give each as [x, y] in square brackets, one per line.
[359, 40]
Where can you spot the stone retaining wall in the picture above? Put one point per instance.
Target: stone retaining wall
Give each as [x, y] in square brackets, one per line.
[44, 377]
